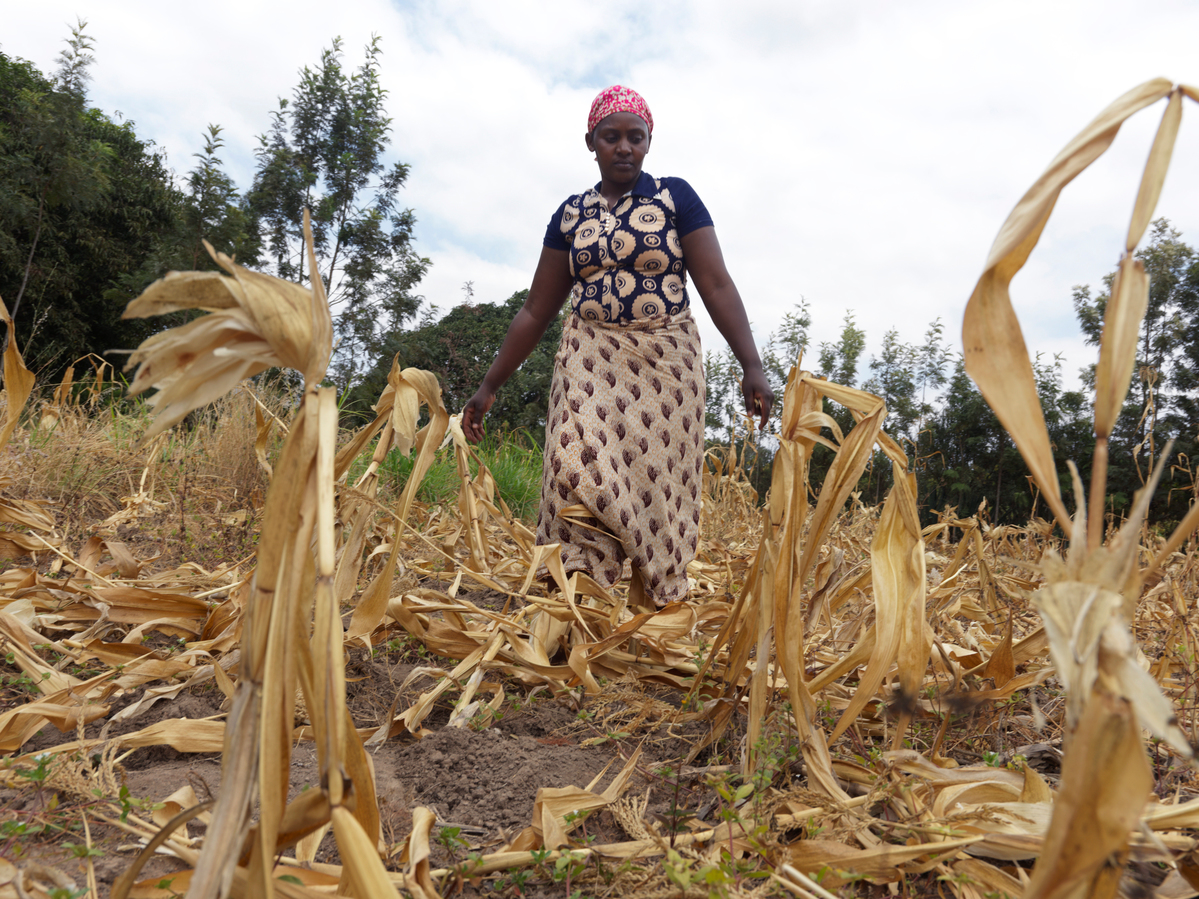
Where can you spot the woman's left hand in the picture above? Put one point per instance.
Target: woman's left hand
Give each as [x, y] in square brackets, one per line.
[705, 264]
[758, 395]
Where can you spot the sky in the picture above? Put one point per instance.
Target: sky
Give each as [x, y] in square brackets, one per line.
[860, 156]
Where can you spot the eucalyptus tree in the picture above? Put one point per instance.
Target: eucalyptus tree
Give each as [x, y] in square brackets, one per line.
[894, 379]
[215, 210]
[839, 361]
[784, 347]
[325, 150]
[1161, 403]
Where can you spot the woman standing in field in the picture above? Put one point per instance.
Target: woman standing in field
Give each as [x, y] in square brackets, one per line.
[625, 430]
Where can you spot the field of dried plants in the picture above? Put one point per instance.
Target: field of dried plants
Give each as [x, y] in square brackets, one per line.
[237, 662]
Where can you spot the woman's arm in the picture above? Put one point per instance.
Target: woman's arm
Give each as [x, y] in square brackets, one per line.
[551, 284]
[705, 263]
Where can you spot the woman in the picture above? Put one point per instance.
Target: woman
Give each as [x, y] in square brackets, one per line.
[624, 433]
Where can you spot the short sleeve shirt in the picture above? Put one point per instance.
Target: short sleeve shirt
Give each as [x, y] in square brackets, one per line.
[627, 263]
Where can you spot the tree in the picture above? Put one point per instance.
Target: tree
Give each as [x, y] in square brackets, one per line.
[894, 379]
[839, 361]
[970, 454]
[1160, 405]
[1186, 372]
[783, 348]
[459, 349]
[324, 150]
[723, 407]
[47, 162]
[931, 360]
[86, 209]
[214, 211]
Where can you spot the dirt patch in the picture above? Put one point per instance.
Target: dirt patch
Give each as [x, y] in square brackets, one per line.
[492, 600]
[484, 779]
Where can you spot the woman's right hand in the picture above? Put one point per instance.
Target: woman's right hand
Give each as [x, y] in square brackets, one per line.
[551, 285]
[472, 416]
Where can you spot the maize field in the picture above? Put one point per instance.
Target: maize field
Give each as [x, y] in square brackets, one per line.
[414, 699]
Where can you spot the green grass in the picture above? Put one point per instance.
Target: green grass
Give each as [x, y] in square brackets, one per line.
[514, 462]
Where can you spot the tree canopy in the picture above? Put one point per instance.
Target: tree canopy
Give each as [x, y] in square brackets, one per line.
[459, 348]
[85, 208]
[90, 214]
[325, 151]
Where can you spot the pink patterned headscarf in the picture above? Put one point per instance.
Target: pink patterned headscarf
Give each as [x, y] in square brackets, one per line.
[618, 99]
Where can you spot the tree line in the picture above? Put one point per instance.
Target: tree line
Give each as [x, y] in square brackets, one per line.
[961, 455]
[91, 214]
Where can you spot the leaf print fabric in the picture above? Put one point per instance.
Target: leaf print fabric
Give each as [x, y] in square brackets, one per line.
[625, 439]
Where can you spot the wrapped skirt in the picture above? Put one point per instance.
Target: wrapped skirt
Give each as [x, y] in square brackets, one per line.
[625, 439]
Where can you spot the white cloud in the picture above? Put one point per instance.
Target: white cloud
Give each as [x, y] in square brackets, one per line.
[862, 155]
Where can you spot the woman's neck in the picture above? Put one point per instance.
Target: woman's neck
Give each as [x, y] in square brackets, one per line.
[612, 192]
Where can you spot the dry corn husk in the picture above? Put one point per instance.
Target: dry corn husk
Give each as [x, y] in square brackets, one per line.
[1089, 598]
[18, 380]
[255, 322]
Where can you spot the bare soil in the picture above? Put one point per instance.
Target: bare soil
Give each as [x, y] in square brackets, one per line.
[481, 781]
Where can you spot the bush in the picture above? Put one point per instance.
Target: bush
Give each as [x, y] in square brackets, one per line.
[514, 462]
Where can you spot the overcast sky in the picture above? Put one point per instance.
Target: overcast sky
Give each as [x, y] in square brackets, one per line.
[859, 154]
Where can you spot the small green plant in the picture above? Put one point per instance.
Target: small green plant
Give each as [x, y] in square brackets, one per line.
[684, 873]
[580, 818]
[540, 857]
[24, 683]
[1017, 762]
[515, 880]
[450, 839]
[38, 774]
[675, 815]
[129, 804]
[569, 865]
[613, 736]
[483, 719]
[82, 850]
[680, 871]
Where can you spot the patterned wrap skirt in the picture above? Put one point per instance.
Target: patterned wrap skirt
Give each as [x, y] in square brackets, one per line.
[624, 438]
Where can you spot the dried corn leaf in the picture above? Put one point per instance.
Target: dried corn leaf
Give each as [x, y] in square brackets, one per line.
[996, 356]
[552, 804]
[256, 322]
[18, 380]
[1105, 782]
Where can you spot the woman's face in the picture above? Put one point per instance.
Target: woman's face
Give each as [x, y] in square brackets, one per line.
[620, 143]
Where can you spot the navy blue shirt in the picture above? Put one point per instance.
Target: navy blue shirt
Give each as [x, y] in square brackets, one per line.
[627, 263]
